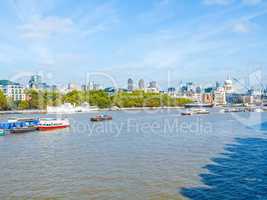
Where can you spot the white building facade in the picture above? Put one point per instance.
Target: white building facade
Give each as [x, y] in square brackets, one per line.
[14, 91]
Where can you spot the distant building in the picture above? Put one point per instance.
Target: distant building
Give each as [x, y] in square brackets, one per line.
[217, 85]
[220, 96]
[207, 98]
[97, 86]
[130, 85]
[198, 89]
[234, 98]
[228, 86]
[153, 87]
[141, 84]
[209, 90]
[171, 91]
[35, 81]
[248, 99]
[12, 90]
[110, 90]
[153, 84]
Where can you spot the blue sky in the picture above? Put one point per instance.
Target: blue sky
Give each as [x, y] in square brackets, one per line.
[199, 40]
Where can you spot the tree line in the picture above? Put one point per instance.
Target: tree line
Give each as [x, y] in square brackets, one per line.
[41, 99]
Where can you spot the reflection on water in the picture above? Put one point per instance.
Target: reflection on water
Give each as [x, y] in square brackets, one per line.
[133, 163]
[240, 174]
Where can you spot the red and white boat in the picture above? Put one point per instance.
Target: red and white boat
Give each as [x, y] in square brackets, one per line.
[50, 124]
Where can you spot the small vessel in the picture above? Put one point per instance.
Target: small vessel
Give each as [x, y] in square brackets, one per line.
[233, 110]
[14, 120]
[187, 112]
[258, 110]
[2, 132]
[25, 129]
[50, 124]
[99, 118]
[200, 111]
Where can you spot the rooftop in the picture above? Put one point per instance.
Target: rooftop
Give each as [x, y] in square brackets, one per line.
[7, 82]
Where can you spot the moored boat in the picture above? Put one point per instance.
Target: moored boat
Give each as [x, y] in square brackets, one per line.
[50, 124]
[2, 132]
[25, 129]
[187, 112]
[200, 111]
[198, 105]
[99, 118]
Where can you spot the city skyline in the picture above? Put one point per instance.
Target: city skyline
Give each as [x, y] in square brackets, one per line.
[148, 40]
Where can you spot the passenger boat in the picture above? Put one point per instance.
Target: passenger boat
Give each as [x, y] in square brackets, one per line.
[198, 105]
[50, 124]
[25, 129]
[99, 118]
[2, 132]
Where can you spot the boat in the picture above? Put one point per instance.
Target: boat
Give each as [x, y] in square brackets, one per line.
[50, 124]
[99, 118]
[187, 112]
[258, 110]
[25, 129]
[233, 110]
[200, 111]
[2, 132]
[198, 105]
[14, 120]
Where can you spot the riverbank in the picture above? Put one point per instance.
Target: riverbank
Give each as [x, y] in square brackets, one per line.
[23, 112]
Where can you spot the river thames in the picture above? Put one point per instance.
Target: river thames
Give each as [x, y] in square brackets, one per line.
[154, 155]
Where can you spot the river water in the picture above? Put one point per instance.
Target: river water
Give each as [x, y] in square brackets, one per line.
[155, 155]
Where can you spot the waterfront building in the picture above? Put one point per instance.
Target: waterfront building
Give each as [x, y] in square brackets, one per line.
[141, 84]
[207, 98]
[12, 90]
[228, 86]
[197, 97]
[219, 96]
[234, 98]
[247, 99]
[130, 85]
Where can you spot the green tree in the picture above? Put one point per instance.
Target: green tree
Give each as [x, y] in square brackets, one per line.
[3, 101]
[23, 105]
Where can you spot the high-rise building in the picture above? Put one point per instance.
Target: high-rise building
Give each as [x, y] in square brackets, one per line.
[12, 90]
[141, 84]
[130, 84]
[217, 85]
[35, 82]
[153, 84]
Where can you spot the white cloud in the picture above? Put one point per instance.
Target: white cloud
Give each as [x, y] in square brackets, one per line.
[46, 27]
